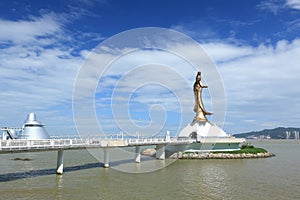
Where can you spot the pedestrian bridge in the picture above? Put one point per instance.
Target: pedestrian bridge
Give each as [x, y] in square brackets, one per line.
[20, 145]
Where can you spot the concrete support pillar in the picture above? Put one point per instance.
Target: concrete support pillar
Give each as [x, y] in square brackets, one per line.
[160, 152]
[60, 162]
[106, 157]
[137, 154]
[28, 143]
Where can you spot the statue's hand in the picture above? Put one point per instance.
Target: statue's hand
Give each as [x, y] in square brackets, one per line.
[205, 86]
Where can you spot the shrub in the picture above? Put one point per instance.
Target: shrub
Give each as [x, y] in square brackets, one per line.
[247, 146]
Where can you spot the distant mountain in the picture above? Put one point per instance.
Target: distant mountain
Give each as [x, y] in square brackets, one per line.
[276, 133]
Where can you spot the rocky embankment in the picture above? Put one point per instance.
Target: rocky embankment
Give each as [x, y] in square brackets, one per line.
[196, 155]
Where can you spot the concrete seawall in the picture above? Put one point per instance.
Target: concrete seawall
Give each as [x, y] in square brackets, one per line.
[196, 155]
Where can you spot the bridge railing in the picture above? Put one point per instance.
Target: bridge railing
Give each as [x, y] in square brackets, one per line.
[146, 141]
[40, 144]
[158, 141]
[53, 143]
[11, 145]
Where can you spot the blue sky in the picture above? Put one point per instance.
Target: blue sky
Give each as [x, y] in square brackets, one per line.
[254, 45]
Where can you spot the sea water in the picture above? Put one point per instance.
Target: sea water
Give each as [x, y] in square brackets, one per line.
[85, 178]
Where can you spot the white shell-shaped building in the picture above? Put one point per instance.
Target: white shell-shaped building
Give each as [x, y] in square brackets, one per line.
[33, 129]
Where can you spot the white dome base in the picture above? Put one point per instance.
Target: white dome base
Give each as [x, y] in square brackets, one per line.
[202, 129]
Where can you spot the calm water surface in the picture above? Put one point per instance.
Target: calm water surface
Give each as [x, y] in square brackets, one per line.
[84, 177]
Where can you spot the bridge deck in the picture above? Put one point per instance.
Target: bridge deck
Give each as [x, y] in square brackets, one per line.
[17, 146]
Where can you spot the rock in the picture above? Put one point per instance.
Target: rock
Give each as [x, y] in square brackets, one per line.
[184, 156]
[174, 156]
[194, 156]
[148, 152]
[198, 155]
[180, 155]
[23, 159]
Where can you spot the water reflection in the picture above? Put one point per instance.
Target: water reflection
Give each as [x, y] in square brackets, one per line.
[44, 172]
[123, 159]
[59, 187]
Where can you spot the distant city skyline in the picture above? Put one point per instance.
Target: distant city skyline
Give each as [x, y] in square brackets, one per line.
[254, 45]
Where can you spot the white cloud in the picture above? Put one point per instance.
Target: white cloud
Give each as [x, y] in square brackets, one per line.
[28, 30]
[295, 4]
[37, 71]
[276, 6]
[145, 79]
[273, 6]
[223, 52]
[262, 85]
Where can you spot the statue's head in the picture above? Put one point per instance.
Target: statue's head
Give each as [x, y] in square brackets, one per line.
[198, 77]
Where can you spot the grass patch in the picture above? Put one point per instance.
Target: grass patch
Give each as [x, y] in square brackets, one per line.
[252, 150]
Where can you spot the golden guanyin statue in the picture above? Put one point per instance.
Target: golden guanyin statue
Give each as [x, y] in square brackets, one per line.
[199, 107]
